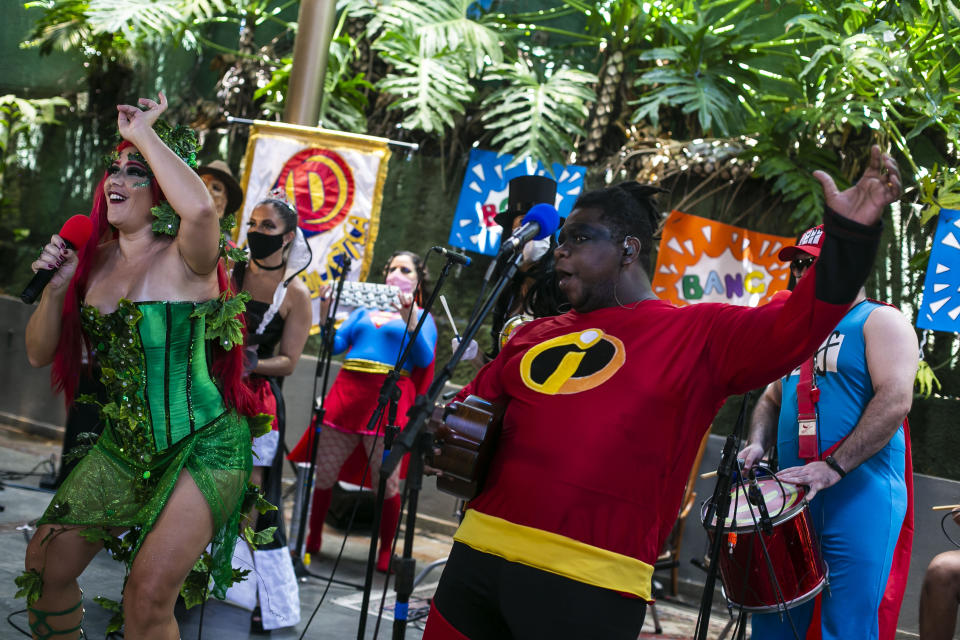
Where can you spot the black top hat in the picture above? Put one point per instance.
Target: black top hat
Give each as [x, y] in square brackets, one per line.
[524, 192]
[221, 171]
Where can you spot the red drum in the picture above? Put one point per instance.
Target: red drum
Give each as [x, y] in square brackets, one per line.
[797, 568]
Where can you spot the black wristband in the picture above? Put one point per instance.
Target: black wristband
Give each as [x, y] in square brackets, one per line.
[833, 464]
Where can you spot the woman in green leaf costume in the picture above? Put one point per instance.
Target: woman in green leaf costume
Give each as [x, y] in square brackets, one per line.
[146, 298]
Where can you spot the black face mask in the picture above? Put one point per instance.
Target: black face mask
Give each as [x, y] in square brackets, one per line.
[262, 245]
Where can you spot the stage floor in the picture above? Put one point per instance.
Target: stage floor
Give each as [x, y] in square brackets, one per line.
[337, 617]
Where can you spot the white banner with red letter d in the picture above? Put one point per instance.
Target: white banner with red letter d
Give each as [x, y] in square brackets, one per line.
[335, 181]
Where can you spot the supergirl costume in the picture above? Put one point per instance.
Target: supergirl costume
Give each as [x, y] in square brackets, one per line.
[375, 340]
[603, 413]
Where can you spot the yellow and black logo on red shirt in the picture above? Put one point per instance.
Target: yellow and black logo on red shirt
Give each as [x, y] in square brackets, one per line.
[572, 363]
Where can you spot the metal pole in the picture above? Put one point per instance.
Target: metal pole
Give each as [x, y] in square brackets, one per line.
[315, 22]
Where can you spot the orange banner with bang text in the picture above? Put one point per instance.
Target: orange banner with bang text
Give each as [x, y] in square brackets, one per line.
[702, 260]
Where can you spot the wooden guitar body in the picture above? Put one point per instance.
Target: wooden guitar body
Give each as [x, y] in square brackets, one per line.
[466, 434]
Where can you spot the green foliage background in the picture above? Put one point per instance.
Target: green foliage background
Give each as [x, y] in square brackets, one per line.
[730, 104]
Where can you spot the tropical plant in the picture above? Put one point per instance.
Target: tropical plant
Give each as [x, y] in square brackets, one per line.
[536, 117]
[18, 118]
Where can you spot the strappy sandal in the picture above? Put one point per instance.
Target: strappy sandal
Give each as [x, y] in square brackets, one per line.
[43, 631]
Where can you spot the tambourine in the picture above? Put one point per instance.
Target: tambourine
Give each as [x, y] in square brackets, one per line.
[511, 325]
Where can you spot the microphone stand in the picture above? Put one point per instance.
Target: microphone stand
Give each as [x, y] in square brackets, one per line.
[717, 510]
[319, 413]
[390, 396]
[416, 440]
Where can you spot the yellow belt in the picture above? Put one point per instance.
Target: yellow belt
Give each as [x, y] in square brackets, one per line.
[369, 366]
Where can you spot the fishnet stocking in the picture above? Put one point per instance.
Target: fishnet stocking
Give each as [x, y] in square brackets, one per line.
[333, 449]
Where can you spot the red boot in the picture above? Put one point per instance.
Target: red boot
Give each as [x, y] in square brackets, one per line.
[318, 513]
[388, 526]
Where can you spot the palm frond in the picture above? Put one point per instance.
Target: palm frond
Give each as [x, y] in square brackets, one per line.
[534, 118]
[429, 90]
[712, 99]
[443, 27]
[140, 16]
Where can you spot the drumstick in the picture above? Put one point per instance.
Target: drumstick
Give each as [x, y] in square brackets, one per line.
[945, 507]
[708, 475]
[453, 325]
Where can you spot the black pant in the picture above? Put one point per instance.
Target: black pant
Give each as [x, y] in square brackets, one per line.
[487, 597]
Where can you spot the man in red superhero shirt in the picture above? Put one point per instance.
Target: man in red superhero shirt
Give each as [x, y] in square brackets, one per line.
[605, 409]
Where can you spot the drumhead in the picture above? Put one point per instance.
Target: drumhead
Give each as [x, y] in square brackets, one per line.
[782, 500]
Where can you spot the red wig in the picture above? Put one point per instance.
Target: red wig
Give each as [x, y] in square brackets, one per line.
[227, 366]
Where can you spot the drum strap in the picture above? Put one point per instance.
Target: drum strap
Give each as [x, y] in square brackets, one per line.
[807, 396]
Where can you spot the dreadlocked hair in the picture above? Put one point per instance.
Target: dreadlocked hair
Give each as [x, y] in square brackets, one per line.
[628, 209]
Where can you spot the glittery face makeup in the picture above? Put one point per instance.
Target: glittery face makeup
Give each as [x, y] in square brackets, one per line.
[136, 156]
[128, 189]
[133, 170]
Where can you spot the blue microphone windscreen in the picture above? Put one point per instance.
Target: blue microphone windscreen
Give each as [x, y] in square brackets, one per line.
[546, 216]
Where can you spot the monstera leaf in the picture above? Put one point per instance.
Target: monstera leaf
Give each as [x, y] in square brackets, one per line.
[533, 117]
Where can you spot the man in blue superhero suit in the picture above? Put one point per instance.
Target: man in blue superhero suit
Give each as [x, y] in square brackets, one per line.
[858, 474]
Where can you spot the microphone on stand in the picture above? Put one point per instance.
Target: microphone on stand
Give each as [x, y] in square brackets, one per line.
[453, 256]
[75, 232]
[541, 221]
[755, 496]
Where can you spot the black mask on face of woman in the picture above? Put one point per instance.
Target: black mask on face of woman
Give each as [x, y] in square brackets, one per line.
[262, 245]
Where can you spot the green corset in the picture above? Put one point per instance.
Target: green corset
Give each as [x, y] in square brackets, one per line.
[153, 358]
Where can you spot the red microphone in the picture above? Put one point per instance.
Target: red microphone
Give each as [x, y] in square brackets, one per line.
[75, 232]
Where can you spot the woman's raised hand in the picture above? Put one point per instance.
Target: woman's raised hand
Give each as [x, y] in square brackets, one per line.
[133, 122]
[57, 254]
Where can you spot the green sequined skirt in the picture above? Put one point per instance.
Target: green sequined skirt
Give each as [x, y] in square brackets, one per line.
[109, 489]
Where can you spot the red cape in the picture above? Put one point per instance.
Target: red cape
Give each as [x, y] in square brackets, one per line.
[889, 609]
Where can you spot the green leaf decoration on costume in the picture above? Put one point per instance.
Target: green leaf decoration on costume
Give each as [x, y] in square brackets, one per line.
[264, 505]
[227, 251]
[223, 318]
[87, 398]
[30, 586]
[166, 221]
[227, 223]
[258, 538]
[85, 442]
[250, 498]
[260, 424]
[107, 603]
[58, 510]
[239, 575]
[181, 140]
[110, 158]
[236, 255]
[195, 587]
[116, 620]
[96, 534]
